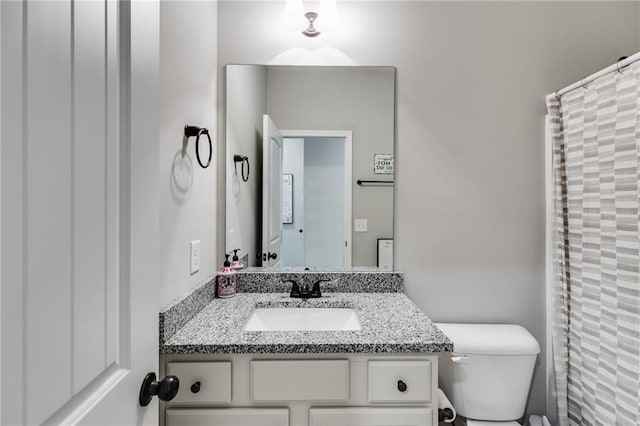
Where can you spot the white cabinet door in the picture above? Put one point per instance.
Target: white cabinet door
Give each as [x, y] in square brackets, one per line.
[370, 416]
[228, 417]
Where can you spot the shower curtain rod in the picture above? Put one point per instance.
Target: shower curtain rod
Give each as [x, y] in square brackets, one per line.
[617, 67]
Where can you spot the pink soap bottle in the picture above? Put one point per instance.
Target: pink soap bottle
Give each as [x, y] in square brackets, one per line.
[235, 262]
[226, 280]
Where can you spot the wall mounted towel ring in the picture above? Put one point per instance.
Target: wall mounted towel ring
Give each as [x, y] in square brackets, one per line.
[244, 160]
[190, 131]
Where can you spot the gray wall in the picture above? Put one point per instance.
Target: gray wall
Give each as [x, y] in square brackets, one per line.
[188, 76]
[471, 82]
[362, 101]
[246, 103]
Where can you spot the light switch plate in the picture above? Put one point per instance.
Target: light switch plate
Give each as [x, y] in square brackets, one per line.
[195, 256]
[360, 225]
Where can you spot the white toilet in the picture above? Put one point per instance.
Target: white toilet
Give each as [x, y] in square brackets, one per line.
[487, 377]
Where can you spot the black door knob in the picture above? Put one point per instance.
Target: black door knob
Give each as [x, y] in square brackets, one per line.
[166, 389]
[273, 256]
[300, 231]
[402, 386]
[195, 388]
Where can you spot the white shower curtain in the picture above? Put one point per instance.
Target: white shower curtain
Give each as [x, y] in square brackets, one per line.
[596, 251]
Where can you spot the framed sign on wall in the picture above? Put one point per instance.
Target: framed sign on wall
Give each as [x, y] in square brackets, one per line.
[383, 164]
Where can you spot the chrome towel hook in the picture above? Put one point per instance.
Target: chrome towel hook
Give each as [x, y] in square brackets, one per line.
[190, 131]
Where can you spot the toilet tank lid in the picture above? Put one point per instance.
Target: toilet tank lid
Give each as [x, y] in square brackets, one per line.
[490, 339]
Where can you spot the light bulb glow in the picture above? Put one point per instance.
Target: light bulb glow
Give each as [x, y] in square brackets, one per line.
[327, 13]
[294, 13]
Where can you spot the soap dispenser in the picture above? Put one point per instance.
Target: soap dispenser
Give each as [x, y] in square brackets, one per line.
[226, 280]
[235, 262]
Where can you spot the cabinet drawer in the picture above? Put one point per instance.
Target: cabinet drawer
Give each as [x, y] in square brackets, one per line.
[399, 381]
[214, 379]
[370, 416]
[313, 380]
[228, 417]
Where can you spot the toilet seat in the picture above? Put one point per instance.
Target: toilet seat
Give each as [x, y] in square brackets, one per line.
[488, 423]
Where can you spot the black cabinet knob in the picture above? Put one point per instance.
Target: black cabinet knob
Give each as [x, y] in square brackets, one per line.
[402, 386]
[166, 389]
[273, 256]
[195, 388]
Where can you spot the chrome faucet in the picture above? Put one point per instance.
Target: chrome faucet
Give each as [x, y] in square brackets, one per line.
[305, 293]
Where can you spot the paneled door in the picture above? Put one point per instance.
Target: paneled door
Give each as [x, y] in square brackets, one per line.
[271, 193]
[79, 210]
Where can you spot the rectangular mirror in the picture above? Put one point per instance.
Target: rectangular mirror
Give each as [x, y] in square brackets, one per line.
[309, 166]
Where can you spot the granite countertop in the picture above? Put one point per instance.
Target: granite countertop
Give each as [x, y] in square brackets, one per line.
[391, 323]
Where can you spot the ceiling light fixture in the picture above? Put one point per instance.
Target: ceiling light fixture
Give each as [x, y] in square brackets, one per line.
[327, 13]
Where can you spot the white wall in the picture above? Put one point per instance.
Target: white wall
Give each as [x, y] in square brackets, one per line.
[246, 103]
[188, 76]
[471, 81]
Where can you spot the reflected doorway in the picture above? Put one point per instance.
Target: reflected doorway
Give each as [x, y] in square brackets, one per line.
[316, 199]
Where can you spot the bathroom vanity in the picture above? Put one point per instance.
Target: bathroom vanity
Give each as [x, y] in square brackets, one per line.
[385, 372]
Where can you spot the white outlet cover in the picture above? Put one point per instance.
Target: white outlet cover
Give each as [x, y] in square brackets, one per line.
[360, 225]
[195, 256]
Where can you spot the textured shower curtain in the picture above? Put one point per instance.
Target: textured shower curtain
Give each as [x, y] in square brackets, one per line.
[596, 246]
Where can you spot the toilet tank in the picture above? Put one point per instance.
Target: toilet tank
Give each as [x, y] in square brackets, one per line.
[488, 375]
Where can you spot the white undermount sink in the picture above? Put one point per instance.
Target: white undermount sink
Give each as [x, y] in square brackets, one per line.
[302, 319]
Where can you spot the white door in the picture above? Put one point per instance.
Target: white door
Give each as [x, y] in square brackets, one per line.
[271, 193]
[325, 203]
[79, 210]
[325, 161]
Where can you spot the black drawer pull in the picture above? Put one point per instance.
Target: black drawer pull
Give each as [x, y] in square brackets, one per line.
[402, 386]
[195, 388]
